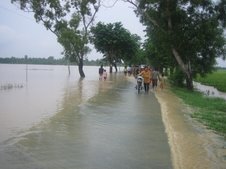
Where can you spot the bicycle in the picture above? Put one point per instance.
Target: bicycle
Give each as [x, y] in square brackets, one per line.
[139, 84]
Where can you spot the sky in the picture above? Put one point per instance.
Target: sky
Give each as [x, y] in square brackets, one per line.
[20, 35]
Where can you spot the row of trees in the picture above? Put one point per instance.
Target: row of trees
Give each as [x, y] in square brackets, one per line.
[45, 61]
[184, 35]
[69, 20]
[116, 43]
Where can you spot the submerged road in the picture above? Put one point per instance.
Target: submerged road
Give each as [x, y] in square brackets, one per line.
[115, 129]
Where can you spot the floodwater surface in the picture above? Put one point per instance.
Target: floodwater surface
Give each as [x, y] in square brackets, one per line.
[209, 90]
[58, 121]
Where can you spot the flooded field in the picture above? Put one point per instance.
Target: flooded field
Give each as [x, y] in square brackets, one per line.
[209, 90]
[58, 121]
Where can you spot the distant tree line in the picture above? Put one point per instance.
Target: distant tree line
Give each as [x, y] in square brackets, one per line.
[45, 61]
[183, 36]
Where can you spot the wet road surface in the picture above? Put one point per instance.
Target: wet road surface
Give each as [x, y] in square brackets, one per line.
[114, 129]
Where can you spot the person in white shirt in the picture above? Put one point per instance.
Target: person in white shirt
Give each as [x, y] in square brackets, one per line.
[105, 74]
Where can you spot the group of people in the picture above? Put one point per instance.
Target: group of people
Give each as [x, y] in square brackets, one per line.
[127, 70]
[150, 77]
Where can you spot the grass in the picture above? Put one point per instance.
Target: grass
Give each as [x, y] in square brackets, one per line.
[216, 79]
[209, 111]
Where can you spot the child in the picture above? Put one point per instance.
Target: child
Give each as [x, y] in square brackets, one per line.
[162, 81]
[105, 74]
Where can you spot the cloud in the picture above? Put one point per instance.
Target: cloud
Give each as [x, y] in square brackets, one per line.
[7, 34]
[221, 62]
[114, 14]
[37, 42]
[20, 34]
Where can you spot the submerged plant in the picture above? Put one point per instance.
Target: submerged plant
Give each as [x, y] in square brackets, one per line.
[9, 86]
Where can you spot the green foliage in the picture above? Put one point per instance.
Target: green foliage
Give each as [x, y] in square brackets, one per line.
[71, 31]
[216, 79]
[177, 78]
[138, 59]
[222, 12]
[114, 41]
[209, 111]
[72, 43]
[44, 61]
[192, 28]
[157, 53]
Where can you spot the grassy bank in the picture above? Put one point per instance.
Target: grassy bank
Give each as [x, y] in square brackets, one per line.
[209, 111]
[216, 79]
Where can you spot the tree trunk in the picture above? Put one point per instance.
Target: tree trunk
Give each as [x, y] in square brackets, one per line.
[80, 68]
[68, 66]
[185, 69]
[189, 83]
[116, 69]
[110, 70]
[110, 60]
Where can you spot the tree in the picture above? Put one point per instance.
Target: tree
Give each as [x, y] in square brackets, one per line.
[188, 30]
[71, 31]
[157, 54]
[115, 42]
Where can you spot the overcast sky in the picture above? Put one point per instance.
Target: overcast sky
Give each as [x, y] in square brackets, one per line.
[20, 35]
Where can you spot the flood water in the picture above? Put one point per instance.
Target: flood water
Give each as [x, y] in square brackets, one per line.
[52, 120]
[209, 90]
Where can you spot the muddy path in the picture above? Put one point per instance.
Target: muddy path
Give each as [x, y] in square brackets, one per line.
[192, 145]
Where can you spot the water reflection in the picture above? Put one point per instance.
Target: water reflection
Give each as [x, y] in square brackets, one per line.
[40, 97]
[97, 125]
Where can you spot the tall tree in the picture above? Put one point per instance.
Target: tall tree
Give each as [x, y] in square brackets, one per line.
[188, 30]
[69, 20]
[115, 42]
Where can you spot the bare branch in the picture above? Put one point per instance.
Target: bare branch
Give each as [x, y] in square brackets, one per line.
[144, 13]
[110, 5]
[41, 18]
[96, 8]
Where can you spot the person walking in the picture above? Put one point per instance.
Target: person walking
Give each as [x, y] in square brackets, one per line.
[101, 71]
[162, 81]
[146, 74]
[105, 74]
[155, 77]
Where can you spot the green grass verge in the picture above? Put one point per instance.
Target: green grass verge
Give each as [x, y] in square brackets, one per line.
[209, 111]
[216, 79]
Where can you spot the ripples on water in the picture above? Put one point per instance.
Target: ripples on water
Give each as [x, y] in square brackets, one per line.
[92, 125]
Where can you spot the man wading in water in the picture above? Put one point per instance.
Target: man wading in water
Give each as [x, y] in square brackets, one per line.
[101, 71]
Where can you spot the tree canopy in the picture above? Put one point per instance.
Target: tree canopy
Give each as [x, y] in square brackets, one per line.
[69, 20]
[185, 34]
[115, 42]
[189, 32]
